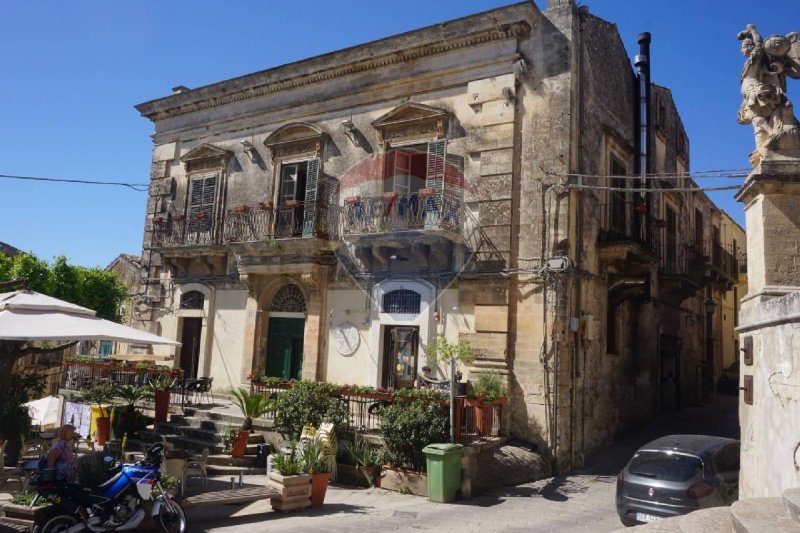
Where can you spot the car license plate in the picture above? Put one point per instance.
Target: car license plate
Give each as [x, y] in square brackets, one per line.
[644, 517]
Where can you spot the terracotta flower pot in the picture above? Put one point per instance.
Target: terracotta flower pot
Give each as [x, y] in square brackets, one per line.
[319, 487]
[240, 446]
[103, 425]
[162, 405]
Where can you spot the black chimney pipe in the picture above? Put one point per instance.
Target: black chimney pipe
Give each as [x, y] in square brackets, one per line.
[642, 63]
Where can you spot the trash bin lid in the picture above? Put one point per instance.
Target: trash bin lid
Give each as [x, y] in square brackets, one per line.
[444, 448]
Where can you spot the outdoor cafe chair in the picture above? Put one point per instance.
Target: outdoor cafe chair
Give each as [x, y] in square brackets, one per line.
[196, 466]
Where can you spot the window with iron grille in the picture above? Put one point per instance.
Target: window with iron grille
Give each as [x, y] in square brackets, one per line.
[289, 299]
[401, 302]
[192, 300]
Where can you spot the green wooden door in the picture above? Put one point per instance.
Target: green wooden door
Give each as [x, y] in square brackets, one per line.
[285, 347]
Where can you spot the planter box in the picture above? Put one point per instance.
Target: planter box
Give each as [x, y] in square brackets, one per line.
[396, 479]
[295, 492]
[22, 512]
[353, 475]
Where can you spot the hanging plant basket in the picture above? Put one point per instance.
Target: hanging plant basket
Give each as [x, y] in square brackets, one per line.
[265, 206]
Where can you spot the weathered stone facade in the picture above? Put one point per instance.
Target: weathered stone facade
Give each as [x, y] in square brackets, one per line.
[449, 181]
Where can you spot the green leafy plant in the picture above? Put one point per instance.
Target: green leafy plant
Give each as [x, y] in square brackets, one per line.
[319, 451]
[169, 482]
[364, 456]
[228, 437]
[15, 421]
[288, 465]
[488, 387]
[309, 404]
[100, 396]
[161, 382]
[127, 418]
[26, 498]
[407, 427]
[405, 489]
[440, 350]
[252, 405]
[426, 393]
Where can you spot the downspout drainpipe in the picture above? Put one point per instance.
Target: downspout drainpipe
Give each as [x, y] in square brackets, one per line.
[642, 63]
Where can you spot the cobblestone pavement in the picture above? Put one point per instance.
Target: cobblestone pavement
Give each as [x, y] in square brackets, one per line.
[580, 501]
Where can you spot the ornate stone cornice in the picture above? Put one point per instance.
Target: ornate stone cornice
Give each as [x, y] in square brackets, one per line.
[217, 95]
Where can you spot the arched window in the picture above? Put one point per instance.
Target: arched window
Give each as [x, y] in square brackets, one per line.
[192, 300]
[289, 299]
[401, 302]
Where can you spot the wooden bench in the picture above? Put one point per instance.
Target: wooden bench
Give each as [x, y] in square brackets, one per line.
[231, 496]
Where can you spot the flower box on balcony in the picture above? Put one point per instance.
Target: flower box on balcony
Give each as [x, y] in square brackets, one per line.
[293, 203]
[241, 209]
[158, 220]
[200, 216]
[179, 218]
[390, 196]
[352, 200]
[266, 206]
[427, 191]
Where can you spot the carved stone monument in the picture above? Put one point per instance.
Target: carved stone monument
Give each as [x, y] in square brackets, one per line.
[769, 410]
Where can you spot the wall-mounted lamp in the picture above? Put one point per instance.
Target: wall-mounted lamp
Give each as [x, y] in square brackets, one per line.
[711, 306]
[350, 131]
[250, 150]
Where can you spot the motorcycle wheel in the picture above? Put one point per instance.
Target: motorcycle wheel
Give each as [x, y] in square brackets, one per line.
[59, 523]
[171, 517]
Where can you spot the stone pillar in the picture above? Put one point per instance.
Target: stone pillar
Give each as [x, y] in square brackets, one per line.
[769, 408]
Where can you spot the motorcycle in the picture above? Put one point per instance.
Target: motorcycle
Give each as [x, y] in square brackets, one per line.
[115, 505]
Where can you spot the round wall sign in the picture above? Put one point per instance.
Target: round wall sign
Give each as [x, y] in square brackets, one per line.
[346, 338]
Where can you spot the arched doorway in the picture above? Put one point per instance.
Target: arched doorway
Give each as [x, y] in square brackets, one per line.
[286, 329]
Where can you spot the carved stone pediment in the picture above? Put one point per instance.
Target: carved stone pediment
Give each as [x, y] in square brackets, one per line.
[205, 156]
[411, 120]
[296, 138]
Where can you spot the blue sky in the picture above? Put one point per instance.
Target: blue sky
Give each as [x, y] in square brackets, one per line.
[71, 72]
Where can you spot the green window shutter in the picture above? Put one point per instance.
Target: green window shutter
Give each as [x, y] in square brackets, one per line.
[310, 205]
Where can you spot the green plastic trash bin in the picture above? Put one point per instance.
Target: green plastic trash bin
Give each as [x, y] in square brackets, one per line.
[444, 471]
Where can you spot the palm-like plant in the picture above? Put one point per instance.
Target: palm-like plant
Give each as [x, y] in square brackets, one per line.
[131, 394]
[252, 405]
[99, 395]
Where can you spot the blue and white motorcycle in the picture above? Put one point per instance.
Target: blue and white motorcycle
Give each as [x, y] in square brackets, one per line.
[117, 504]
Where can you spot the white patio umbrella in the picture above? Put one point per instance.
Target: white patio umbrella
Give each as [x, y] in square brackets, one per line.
[31, 316]
[45, 411]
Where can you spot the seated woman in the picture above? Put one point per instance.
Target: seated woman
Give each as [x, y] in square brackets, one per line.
[60, 457]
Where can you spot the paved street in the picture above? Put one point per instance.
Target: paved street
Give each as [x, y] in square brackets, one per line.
[582, 501]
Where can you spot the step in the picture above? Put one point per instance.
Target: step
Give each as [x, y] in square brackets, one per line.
[230, 419]
[714, 520]
[219, 470]
[225, 459]
[791, 500]
[759, 515]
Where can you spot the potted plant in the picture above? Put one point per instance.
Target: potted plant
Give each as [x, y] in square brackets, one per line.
[319, 460]
[265, 206]
[487, 391]
[287, 476]
[100, 396]
[20, 508]
[252, 405]
[241, 209]
[15, 421]
[366, 459]
[160, 386]
[170, 484]
[128, 420]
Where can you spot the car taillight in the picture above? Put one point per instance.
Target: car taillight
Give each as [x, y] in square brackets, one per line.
[620, 480]
[701, 489]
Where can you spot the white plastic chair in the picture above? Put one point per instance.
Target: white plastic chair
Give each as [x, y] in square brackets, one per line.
[196, 466]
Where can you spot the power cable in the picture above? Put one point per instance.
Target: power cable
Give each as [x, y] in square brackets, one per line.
[139, 187]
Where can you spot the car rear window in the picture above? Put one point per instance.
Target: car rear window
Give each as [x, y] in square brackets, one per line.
[665, 466]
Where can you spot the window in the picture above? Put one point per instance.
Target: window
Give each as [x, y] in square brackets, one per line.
[671, 241]
[618, 208]
[401, 302]
[698, 230]
[289, 299]
[105, 348]
[201, 202]
[661, 115]
[726, 460]
[293, 182]
[665, 466]
[406, 169]
[192, 300]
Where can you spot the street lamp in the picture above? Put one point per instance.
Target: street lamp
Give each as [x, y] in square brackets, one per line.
[708, 368]
[711, 306]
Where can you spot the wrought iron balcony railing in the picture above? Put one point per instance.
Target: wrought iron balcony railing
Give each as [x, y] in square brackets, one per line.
[626, 222]
[392, 212]
[684, 261]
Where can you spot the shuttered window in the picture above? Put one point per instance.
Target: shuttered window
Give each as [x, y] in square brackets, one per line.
[201, 202]
[435, 172]
[310, 205]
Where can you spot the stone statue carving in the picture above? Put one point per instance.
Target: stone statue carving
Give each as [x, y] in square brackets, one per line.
[764, 101]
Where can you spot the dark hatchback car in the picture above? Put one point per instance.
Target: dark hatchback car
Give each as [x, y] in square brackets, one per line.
[676, 475]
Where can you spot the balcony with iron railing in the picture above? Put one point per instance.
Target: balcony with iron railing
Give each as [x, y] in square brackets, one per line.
[258, 223]
[631, 226]
[682, 269]
[723, 263]
[395, 214]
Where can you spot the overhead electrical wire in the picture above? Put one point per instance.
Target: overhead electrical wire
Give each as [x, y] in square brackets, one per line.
[140, 187]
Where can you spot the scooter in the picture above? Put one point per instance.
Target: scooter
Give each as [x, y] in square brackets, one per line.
[116, 505]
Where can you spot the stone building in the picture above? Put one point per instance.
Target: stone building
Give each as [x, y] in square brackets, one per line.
[476, 179]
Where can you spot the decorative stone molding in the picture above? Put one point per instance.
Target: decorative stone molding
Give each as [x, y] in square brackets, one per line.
[205, 157]
[214, 98]
[411, 120]
[296, 138]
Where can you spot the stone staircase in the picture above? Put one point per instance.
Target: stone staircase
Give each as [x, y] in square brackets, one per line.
[197, 429]
[752, 515]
